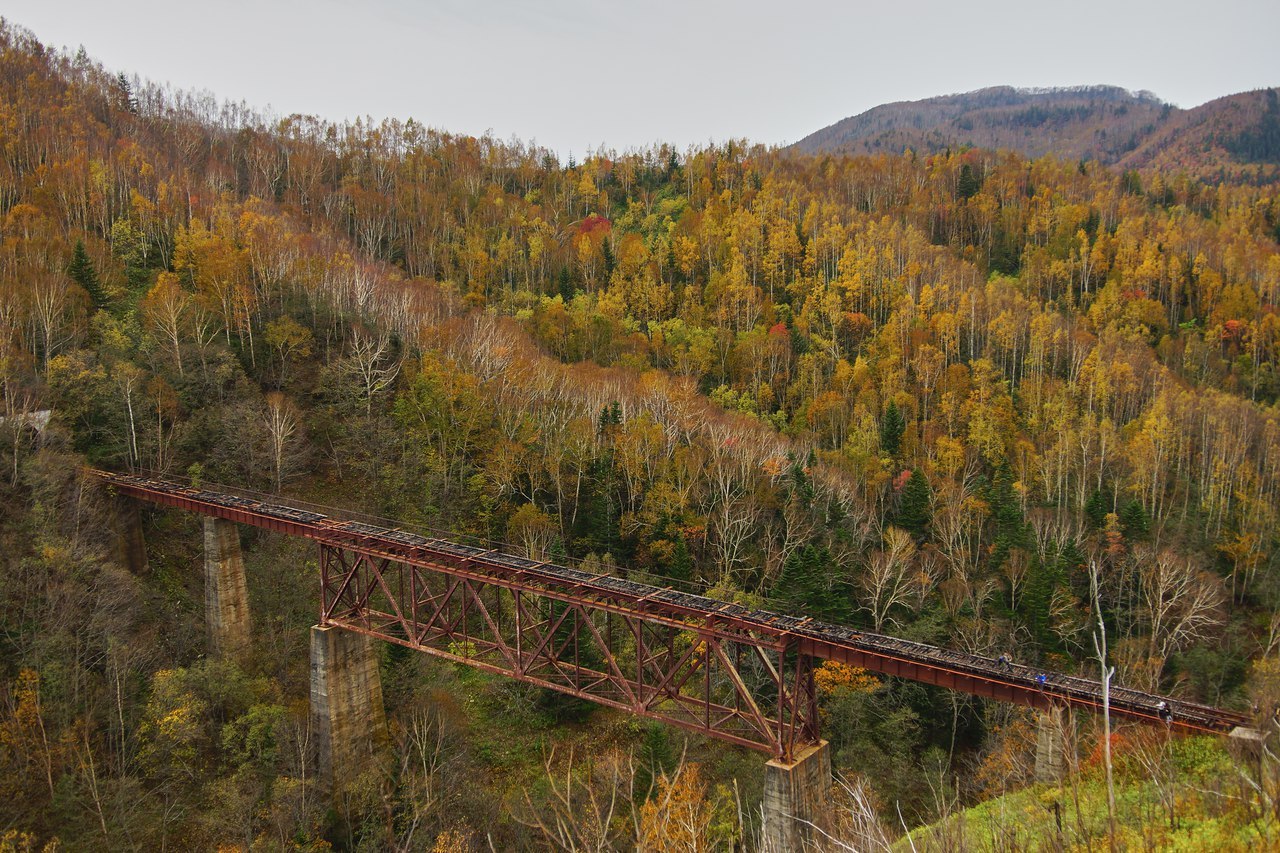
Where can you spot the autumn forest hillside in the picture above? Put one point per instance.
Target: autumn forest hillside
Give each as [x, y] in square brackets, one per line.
[919, 393]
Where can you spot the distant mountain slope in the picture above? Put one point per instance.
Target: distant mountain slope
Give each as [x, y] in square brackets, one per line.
[1102, 123]
[1226, 134]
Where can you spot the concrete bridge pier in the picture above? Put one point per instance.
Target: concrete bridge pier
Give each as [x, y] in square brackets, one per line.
[1248, 746]
[226, 594]
[346, 704]
[796, 794]
[1051, 738]
[130, 548]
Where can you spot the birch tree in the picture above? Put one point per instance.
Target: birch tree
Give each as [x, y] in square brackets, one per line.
[282, 420]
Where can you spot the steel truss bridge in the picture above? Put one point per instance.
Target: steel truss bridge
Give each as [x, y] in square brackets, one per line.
[739, 674]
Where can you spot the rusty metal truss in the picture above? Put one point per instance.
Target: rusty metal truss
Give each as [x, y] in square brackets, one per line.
[729, 671]
[699, 672]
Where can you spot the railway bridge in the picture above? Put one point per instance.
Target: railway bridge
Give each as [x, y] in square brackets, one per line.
[742, 675]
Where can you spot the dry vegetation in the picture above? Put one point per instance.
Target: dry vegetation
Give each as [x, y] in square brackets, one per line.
[914, 393]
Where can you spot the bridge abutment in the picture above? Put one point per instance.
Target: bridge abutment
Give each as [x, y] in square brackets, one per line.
[1051, 738]
[795, 794]
[226, 593]
[346, 703]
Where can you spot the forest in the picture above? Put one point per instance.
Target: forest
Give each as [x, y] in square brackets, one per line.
[921, 395]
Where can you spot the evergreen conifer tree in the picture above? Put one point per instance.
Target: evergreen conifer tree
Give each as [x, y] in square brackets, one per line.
[564, 285]
[1005, 506]
[681, 567]
[656, 757]
[127, 100]
[609, 261]
[82, 273]
[596, 526]
[805, 585]
[892, 426]
[1006, 512]
[801, 485]
[610, 416]
[1095, 509]
[914, 512]
[1134, 519]
[1044, 576]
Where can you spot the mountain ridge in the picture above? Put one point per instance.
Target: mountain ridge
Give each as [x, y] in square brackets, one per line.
[1236, 134]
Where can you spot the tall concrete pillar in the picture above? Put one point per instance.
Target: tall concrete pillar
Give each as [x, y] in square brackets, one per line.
[1247, 745]
[1051, 738]
[346, 704]
[226, 594]
[795, 797]
[130, 548]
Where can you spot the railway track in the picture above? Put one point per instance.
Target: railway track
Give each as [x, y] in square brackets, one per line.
[881, 653]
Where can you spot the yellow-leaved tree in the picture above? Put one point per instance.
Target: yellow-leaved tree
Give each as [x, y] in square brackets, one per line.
[678, 817]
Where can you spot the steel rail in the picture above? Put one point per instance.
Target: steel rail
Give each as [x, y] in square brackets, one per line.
[669, 608]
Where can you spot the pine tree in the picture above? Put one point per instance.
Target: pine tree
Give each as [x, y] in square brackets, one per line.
[672, 266]
[805, 585]
[1095, 509]
[681, 567]
[127, 100]
[1072, 563]
[1044, 576]
[606, 250]
[82, 273]
[801, 485]
[796, 585]
[914, 512]
[892, 426]
[1006, 508]
[559, 553]
[1006, 512]
[596, 526]
[1134, 519]
[656, 758]
[967, 186]
[610, 416]
[565, 285]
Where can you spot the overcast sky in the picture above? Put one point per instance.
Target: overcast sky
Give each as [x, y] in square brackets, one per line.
[574, 74]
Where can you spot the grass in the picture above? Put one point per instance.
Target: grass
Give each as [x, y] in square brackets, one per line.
[1186, 795]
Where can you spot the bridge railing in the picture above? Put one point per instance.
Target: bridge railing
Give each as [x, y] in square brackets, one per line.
[390, 550]
[421, 528]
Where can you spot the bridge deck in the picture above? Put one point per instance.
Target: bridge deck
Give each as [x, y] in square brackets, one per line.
[954, 670]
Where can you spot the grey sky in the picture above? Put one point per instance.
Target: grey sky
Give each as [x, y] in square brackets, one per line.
[575, 74]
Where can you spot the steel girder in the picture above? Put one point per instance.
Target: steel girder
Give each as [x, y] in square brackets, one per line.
[695, 672]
